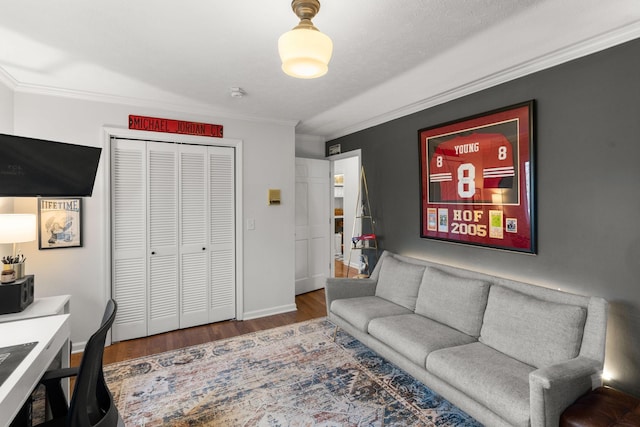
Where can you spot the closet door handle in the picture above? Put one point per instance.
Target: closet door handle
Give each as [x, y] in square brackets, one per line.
[153, 252]
[204, 249]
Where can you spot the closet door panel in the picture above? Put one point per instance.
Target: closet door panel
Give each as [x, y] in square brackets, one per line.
[194, 228]
[193, 309]
[223, 286]
[129, 237]
[222, 235]
[163, 237]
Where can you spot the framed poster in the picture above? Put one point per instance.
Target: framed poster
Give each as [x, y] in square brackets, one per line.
[476, 180]
[59, 222]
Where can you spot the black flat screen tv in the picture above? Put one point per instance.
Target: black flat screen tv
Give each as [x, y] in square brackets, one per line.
[32, 167]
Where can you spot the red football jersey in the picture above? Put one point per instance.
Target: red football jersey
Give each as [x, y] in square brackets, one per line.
[468, 167]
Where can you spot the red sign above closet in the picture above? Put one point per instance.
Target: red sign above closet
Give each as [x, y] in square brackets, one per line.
[155, 124]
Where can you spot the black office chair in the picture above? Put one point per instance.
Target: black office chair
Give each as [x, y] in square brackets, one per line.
[91, 403]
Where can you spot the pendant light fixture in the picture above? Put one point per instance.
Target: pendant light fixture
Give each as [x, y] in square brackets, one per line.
[305, 51]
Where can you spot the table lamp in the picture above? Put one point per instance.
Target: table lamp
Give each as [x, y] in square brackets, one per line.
[16, 289]
[16, 228]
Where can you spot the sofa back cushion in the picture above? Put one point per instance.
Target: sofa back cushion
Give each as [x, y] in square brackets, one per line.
[454, 301]
[536, 332]
[399, 281]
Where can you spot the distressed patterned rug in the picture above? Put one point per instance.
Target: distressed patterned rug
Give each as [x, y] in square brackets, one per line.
[288, 376]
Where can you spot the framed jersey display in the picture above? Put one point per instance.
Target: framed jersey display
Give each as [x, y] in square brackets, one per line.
[477, 183]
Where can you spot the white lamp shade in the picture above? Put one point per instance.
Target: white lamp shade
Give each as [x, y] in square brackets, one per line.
[305, 53]
[17, 228]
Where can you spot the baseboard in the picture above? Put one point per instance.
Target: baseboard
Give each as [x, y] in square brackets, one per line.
[78, 347]
[269, 312]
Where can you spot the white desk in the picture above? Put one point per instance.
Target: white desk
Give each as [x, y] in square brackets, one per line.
[40, 307]
[52, 334]
[47, 306]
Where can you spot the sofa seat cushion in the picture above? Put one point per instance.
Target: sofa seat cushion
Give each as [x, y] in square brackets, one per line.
[416, 336]
[493, 379]
[458, 302]
[359, 311]
[399, 281]
[537, 332]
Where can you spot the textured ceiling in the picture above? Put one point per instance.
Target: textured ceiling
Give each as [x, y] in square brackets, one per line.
[389, 55]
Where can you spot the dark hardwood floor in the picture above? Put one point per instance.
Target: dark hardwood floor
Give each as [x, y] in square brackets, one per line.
[341, 270]
[310, 306]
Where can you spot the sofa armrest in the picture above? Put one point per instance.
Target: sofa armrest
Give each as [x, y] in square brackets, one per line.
[553, 388]
[341, 288]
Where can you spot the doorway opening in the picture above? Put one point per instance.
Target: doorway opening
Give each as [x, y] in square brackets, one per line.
[345, 170]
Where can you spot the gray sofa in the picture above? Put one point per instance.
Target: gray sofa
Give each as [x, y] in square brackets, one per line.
[506, 352]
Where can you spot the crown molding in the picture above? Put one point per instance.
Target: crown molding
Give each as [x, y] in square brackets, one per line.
[560, 56]
[8, 79]
[196, 109]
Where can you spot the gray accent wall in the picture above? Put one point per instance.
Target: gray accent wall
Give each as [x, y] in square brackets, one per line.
[587, 183]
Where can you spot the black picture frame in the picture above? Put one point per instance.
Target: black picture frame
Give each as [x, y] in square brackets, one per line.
[59, 222]
[477, 180]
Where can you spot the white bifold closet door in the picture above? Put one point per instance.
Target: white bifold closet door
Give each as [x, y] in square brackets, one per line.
[173, 231]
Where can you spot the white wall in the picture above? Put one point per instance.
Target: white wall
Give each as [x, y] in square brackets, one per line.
[310, 146]
[6, 108]
[6, 206]
[268, 162]
[6, 126]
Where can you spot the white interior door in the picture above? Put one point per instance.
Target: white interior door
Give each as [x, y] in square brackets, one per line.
[222, 234]
[194, 227]
[313, 224]
[207, 235]
[129, 238]
[162, 215]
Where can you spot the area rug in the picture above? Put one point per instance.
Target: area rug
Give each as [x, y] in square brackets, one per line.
[288, 376]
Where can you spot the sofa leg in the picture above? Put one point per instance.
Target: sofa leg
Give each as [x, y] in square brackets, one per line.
[335, 332]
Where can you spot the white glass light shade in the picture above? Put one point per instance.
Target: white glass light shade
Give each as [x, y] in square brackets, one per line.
[305, 53]
[17, 228]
